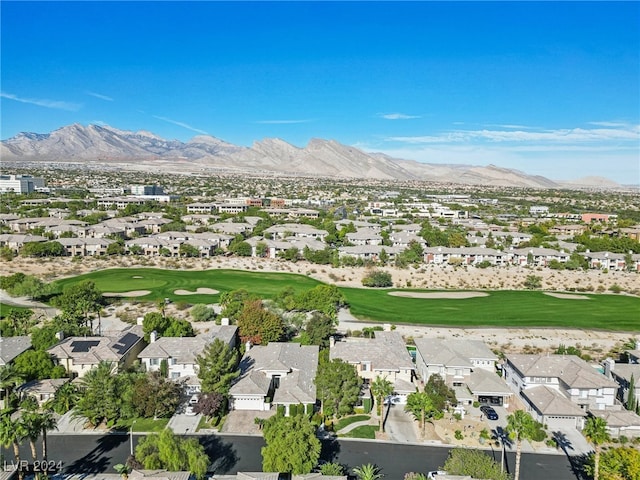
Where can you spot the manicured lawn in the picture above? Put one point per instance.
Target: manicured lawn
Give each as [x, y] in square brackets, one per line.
[366, 431]
[143, 424]
[498, 309]
[4, 309]
[343, 422]
[163, 283]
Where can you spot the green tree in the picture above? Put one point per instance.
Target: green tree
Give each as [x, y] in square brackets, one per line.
[291, 445]
[475, 463]
[232, 302]
[9, 378]
[31, 287]
[31, 423]
[202, 313]
[217, 367]
[187, 250]
[178, 328]
[595, 431]
[338, 387]
[65, 398]
[532, 282]
[153, 396]
[258, 325]
[12, 433]
[36, 365]
[520, 426]
[79, 300]
[319, 328]
[439, 392]
[47, 422]
[102, 395]
[380, 389]
[619, 463]
[632, 402]
[170, 452]
[420, 405]
[367, 472]
[377, 278]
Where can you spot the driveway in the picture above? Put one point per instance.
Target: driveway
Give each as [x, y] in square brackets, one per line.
[183, 424]
[400, 426]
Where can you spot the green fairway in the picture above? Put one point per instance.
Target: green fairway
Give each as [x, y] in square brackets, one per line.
[500, 308]
[4, 309]
[496, 309]
[163, 283]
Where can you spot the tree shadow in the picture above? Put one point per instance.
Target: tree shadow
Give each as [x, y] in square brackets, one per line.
[330, 449]
[96, 461]
[578, 463]
[502, 440]
[224, 454]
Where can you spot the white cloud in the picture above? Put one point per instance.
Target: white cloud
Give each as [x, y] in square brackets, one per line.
[180, 124]
[44, 102]
[569, 136]
[100, 96]
[397, 116]
[281, 122]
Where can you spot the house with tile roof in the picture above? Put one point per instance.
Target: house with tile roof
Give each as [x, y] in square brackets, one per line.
[385, 356]
[180, 353]
[42, 390]
[567, 375]
[466, 366]
[78, 355]
[620, 422]
[276, 374]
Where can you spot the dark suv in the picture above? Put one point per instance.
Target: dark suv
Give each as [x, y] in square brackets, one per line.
[490, 413]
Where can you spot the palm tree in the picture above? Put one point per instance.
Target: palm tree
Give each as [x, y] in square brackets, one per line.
[367, 472]
[9, 378]
[381, 388]
[421, 406]
[595, 430]
[12, 432]
[65, 398]
[520, 426]
[31, 424]
[48, 421]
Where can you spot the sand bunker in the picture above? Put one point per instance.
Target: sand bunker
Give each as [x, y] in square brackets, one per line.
[134, 293]
[567, 296]
[200, 291]
[456, 295]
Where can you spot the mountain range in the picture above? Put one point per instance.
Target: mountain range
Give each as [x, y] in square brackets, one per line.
[322, 158]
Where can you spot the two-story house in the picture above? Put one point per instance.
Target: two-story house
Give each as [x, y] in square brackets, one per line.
[276, 374]
[552, 386]
[467, 366]
[78, 355]
[180, 353]
[384, 356]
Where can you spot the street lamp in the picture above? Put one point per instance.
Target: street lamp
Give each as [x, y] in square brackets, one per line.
[131, 438]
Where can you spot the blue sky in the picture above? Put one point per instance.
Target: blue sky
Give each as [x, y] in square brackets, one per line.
[548, 88]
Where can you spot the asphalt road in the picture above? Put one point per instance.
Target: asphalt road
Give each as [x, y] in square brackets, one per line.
[230, 454]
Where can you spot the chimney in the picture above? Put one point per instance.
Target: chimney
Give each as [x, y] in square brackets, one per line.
[332, 341]
[153, 336]
[247, 346]
[609, 366]
[224, 321]
[60, 335]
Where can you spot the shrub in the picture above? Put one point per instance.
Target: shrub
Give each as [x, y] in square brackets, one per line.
[377, 278]
[459, 435]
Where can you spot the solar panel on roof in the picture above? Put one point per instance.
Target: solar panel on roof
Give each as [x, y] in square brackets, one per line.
[83, 346]
[125, 343]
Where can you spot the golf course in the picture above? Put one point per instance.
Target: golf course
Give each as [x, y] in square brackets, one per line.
[493, 308]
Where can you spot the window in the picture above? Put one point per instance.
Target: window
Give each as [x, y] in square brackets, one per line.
[366, 366]
[154, 361]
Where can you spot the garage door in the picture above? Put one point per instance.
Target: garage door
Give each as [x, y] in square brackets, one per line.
[247, 403]
[555, 421]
